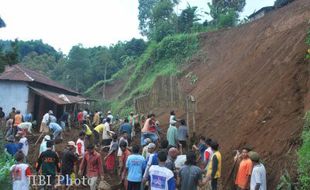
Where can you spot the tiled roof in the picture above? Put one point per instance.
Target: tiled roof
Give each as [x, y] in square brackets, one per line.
[58, 98]
[20, 73]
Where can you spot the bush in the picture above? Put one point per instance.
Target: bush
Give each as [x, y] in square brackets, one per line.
[6, 162]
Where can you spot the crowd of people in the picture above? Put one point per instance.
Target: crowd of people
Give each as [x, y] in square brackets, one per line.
[134, 149]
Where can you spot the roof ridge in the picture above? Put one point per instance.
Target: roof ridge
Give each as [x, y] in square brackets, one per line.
[24, 72]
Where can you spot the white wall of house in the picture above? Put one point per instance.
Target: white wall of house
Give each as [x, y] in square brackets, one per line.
[13, 94]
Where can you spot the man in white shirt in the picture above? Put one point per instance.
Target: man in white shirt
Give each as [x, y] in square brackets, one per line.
[106, 134]
[110, 116]
[23, 140]
[160, 177]
[258, 177]
[46, 119]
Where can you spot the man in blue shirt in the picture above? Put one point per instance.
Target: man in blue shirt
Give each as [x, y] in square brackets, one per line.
[160, 177]
[57, 129]
[135, 166]
[11, 148]
[126, 127]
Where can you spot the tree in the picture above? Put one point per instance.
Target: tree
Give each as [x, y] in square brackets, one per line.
[187, 19]
[163, 20]
[155, 16]
[224, 11]
[145, 8]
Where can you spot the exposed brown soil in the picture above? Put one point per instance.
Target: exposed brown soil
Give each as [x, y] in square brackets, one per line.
[252, 81]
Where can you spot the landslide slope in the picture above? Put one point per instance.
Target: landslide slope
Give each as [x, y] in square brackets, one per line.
[251, 89]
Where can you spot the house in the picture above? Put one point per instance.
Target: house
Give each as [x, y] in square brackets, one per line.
[32, 92]
[260, 13]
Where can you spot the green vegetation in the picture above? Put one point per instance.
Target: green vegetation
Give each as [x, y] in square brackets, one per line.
[308, 43]
[304, 155]
[160, 59]
[285, 182]
[6, 162]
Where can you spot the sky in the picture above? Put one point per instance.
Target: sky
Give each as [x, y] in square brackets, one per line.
[65, 23]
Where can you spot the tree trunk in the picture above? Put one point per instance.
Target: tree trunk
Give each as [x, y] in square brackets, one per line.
[105, 78]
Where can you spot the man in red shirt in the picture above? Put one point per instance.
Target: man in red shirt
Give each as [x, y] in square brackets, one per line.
[80, 118]
[92, 164]
[122, 163]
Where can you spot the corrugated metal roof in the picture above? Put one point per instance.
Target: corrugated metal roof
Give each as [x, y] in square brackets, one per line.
[20, 73]
[57, 98]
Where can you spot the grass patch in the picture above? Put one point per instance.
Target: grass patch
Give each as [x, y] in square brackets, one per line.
[304, 156]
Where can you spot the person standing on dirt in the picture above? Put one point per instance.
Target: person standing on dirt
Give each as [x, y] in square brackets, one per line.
[64, 120]
[172, 156]
[127, 128]
[172, 135]
[106, 134]
[149, 129]
[23, 140]
[57, 130]
[245, 169]
[215, 167]
[45, 121]
[190, 175]
[12, 113]
[160, 177]
[258, 177]
[96, 119]
[80, 118]
[208, 154]
[135, 166]
[122, 162]
[110, 159]
[18, 119]
[49, 164]
[80, 146]
[201, 149]
[183, 134]
[69, 159]
[92, 165]
[20, 173]
[84, 118]
[98, 130]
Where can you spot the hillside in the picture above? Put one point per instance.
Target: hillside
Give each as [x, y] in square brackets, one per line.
[251, 84]
[252, 89]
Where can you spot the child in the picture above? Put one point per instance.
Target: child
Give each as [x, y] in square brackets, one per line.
[20, 173]
[110, 159]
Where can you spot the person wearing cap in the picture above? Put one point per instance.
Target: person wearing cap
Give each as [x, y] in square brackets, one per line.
[258, 177]
[43, 146]
[106, 134]
[135, 166]
[45, 120]
[69, 160]
[145, 151]
[92, 165]
[48, 163]
[23, 140]
[151, 160]
[244, 170]
[110, 116]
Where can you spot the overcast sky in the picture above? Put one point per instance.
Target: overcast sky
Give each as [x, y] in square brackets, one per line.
[64, 23]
